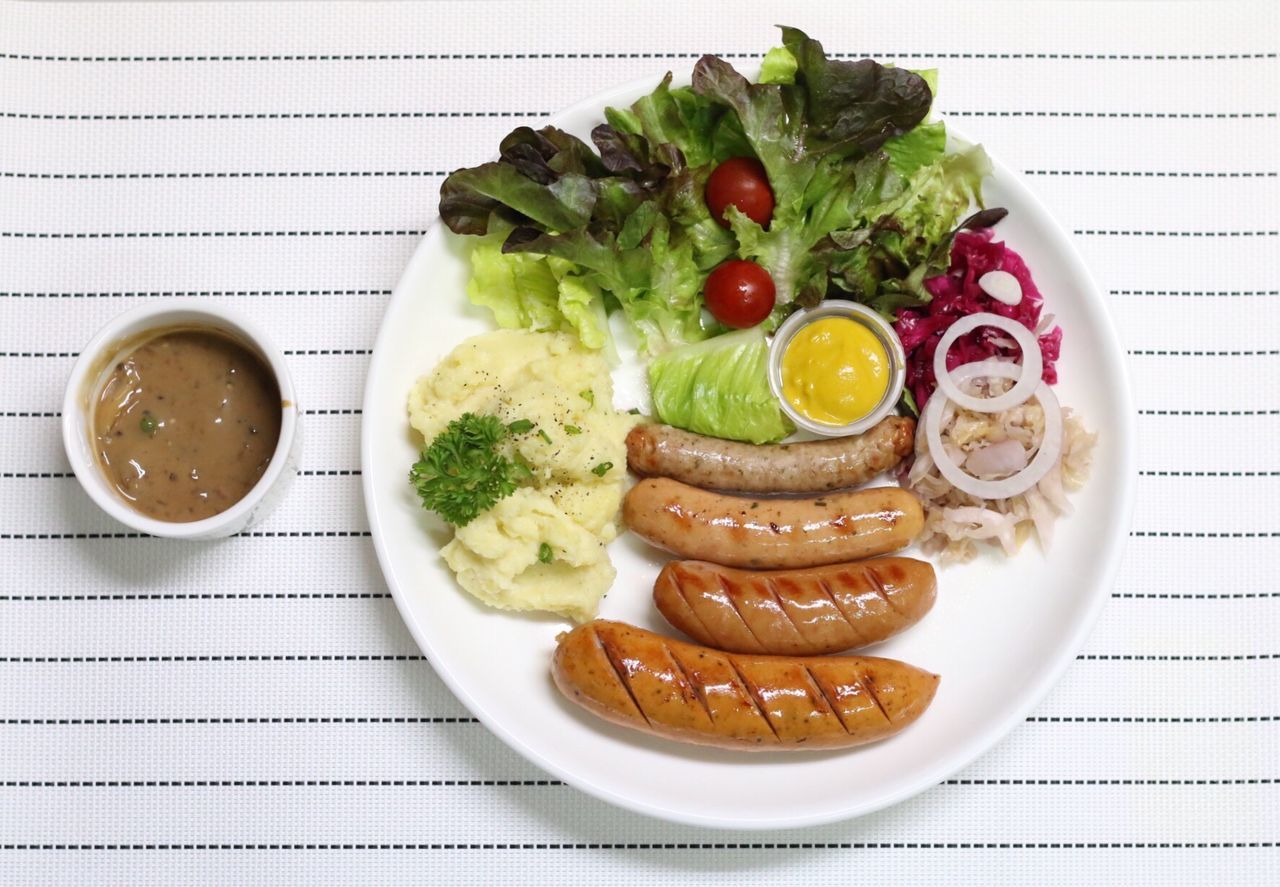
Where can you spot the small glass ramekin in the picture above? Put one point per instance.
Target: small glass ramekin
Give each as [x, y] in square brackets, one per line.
[125, 333]
[878, 326]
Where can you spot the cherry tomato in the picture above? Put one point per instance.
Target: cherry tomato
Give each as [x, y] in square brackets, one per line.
[740, 182]
[739, 293]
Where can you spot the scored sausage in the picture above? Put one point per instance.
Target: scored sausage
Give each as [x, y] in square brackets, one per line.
[795, 612]
[771, 533]
[682, 691]
[807, 467]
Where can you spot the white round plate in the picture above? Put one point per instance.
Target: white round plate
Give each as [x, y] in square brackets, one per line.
[1001, 633]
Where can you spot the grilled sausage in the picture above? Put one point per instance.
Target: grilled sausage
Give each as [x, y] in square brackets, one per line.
[771, 533]
[681, 691]
[795, 612]
[808, 467]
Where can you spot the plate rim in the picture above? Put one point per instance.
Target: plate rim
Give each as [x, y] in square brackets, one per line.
[1068, 645]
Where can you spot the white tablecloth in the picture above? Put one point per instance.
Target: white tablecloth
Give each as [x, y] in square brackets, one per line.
[254, 710]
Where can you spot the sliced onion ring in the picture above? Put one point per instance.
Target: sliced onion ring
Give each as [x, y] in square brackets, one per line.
[1032, 362]
[1015, 484]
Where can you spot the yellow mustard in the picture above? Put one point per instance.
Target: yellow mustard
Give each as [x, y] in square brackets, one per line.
[834, 371]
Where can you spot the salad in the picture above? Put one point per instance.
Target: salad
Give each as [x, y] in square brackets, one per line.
[720, 205]
[699, 218]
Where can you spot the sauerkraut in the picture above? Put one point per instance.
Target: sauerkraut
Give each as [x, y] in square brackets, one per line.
[991, 446]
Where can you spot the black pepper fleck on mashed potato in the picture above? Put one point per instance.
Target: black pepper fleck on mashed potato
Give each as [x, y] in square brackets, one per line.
[539, 377]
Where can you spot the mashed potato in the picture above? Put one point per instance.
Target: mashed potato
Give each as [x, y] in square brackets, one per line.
[572, 502]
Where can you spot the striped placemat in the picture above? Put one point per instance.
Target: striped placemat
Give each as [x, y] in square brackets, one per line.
[254, 710]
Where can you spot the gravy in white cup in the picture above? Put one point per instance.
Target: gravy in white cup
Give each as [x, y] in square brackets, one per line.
[186, 423]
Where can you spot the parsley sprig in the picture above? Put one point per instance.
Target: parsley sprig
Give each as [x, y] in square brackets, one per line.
[461, 474]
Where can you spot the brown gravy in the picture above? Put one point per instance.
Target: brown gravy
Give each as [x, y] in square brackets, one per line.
[186, 423]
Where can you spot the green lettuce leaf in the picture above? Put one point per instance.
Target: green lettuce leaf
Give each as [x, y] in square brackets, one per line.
[650, 274]
[816, 138]
[520, 290]
[669, 313]
[685, 204]
[471, 198]
[630, 224]
[854, 105]
[905, 235]
[581, 303]
[548, 180]
[918, 148]
[533, 292]
[719, 387]
[676, 117]
[777, 139]
[778, 66]
[924, 144]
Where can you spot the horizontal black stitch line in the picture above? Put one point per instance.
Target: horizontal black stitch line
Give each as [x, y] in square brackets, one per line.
[1208, 473]
[293, 352]
[276, 783]
[566, 56]
[1205, 534]
[1197, 293]
[1153, 719]
[204, 596]
[175, 235]
[220, 657]
[57, 414]
[725, 845]
[284, 115]
[1152, 173]
[1209, 412]
[302, 534]
[252, 174]
[1195, 595]
[363, 534]
[1202, 352]
[250, 534]
[545, 783]
[1124, 232]
[350, 352]
[370, 57]
[1111, 782]
[356, 472]
[1139, 115]
[165, 294]
[478, 783]
[387, 115]
[59, 475]
[283, 719]
[1177, 657]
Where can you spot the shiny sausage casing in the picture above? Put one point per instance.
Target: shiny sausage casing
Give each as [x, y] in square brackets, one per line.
[805, 612]
[771, 533]
[813, 466]
[682, 691]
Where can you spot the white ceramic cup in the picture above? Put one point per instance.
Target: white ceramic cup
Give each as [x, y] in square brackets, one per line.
[90, 371]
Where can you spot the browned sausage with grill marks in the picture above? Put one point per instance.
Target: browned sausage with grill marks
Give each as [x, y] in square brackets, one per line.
[685, 692]
[741, 531]
[813, 466]
[795, 612]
